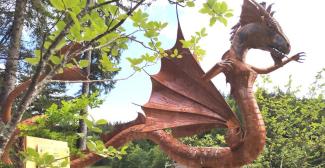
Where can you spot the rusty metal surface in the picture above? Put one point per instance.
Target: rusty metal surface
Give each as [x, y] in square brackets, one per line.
[181, 98]
[184, 99]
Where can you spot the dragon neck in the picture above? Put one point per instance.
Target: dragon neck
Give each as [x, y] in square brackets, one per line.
[242, 79]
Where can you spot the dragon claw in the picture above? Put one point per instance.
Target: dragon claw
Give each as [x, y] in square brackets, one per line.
[226, 64]
[299, 57]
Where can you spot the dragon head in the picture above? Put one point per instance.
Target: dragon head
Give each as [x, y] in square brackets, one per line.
[258, 29]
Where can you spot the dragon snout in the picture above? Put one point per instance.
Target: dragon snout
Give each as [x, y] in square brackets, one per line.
[288, 49]
[281, 44]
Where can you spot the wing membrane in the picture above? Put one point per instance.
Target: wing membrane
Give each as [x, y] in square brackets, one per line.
[181, 100]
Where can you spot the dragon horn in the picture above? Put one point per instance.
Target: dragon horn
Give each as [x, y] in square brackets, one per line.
[262, 10]
[269, 8]
[272, 13]
[259, 7]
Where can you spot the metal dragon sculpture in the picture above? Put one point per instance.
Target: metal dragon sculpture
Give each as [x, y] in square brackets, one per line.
[184, 99]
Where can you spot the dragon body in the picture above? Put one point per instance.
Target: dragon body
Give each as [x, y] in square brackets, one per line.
[184, 99]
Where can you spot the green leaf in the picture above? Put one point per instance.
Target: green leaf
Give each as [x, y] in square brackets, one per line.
[60, 25]
[47, 44]
[204, 10]
[37, 53]
[106, 65]
[91, 145]
[190, 4]
[55, 59]
[96, 129]
[101, 122]
[32, 153]
[88, 34]
[74, 18]
[73, 4]
[229, 14]
[139, 18]
[135, 61]
[75, 32]
[211, 2]
[149, 58]
[175, 52]
[83, 63]
[203, 32]
[100, 145]
[223, 7]
[212, 21]
[64, 163]
[69, 65]
[47, 158]
[163, 25]
[97, 22]
[150, 33]
[88, 123]
[186, 44]
[34, 60]
[223, 20]
[110, 9]
[57, 4]
[114, 51]
[62, 43]
[80, 134]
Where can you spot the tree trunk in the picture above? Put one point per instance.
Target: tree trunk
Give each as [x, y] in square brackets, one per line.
[85, 91]
[12, 60]
[14, 47]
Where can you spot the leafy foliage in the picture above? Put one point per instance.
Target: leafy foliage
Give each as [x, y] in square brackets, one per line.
[193, 43]
[295, 129]
[44, 160]
[140, 154]
[214, 138]
[3, 165]
[218, 11]
[61, 123]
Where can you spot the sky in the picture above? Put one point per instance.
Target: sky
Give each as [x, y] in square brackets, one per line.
[300, 21]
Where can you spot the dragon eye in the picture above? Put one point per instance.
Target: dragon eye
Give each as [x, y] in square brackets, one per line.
[270, 24]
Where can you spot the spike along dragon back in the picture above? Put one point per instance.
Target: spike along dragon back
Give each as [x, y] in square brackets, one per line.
[184, 100]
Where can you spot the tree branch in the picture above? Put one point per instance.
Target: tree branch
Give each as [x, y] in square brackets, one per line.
[115, 26]
[102, 80]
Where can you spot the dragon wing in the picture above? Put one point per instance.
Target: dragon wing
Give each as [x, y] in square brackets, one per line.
[181, 100]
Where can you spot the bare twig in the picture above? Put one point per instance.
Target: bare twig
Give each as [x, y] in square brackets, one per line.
[142, 43]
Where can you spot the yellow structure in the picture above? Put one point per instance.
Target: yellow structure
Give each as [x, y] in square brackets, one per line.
[58, 149]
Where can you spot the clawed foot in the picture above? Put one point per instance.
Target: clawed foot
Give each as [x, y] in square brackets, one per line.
[223, 66]
[299, 57]
[226, 65]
